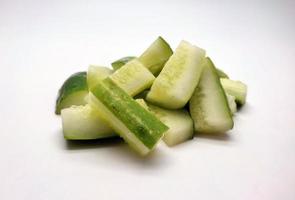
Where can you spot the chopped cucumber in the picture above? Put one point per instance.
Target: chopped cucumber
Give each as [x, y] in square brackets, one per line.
[72, 92]
[156, 55]
[175, 84]
[221, 73]
[122, 61]
[208, 106]
[236, 89]
[133, 77]
[140, 128]
[96, 74]
[232, 103]
[179, 122]
[84, 123]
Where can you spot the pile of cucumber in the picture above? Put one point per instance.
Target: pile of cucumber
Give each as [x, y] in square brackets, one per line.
[159, 95]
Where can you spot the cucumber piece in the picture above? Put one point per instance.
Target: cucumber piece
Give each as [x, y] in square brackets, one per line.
[175, 84]
[232, 103]
[156, 55]
[236, 89]
[208, 106]
[179, 122]
[96, 74]
[133, 77]
[122, 61]
[72, 92]
[221, 73]
[84, 123]
[139, 128]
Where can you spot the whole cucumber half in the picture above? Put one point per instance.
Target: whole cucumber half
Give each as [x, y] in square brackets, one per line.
[72, 92]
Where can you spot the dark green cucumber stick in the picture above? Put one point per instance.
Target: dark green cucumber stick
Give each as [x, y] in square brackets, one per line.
[140, 128]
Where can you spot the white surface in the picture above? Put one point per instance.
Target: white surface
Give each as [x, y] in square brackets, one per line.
[43, 42]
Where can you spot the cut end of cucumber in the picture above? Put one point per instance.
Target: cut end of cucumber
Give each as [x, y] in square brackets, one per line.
[83, 123]
[232, 103]
[156, 55]
[175, 84]
[73, 92]
[122, 61]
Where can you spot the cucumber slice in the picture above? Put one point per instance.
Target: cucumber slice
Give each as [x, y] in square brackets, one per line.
[232, 103]
[175, 84]
[139, 128]
[133, 77]
[156, 55]
[179, 122]
[221, 73]
[208, 105]
[96, 74]
[122, 61]
[236, 89]
[72, 92]
[84, 123]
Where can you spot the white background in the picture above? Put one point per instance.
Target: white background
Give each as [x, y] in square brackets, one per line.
[43, 42]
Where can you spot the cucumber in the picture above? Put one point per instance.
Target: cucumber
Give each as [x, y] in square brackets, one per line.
[175, 84]
[72, 92]
[139, 128]
[122, 61]
[208, 106]
[156, 55]
[84, 123]
[179, 122]
[232, 103]
[133, 77]
[236, 89]
[97, 73]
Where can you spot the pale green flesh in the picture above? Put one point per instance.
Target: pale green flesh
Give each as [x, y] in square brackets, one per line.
[130, 120]
[156, 55]
[133, 77]
[175, 84]
[96, 74]
[208, 105]
[236, 89]
[179, 122]
[84, 123]
[221, 73]
[77, 98]
[232, 103]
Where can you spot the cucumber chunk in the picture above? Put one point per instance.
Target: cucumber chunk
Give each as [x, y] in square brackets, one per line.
[96, 74]
[72, 92]
[232, 103]
[236, 89]
[179, 122]
[208, 106]
[175, 84]
[122, 61]
[84, 123]
[156, 55]
[133, 77]
[139, 128]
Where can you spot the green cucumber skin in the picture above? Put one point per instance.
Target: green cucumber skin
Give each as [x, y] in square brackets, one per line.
[75, 83]
[156, 55]
[133, 77]
[175, 84]
[236, 89]
[209, 106]
[144, 125]
[84, 123]
[95, 74]
[121, 62]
